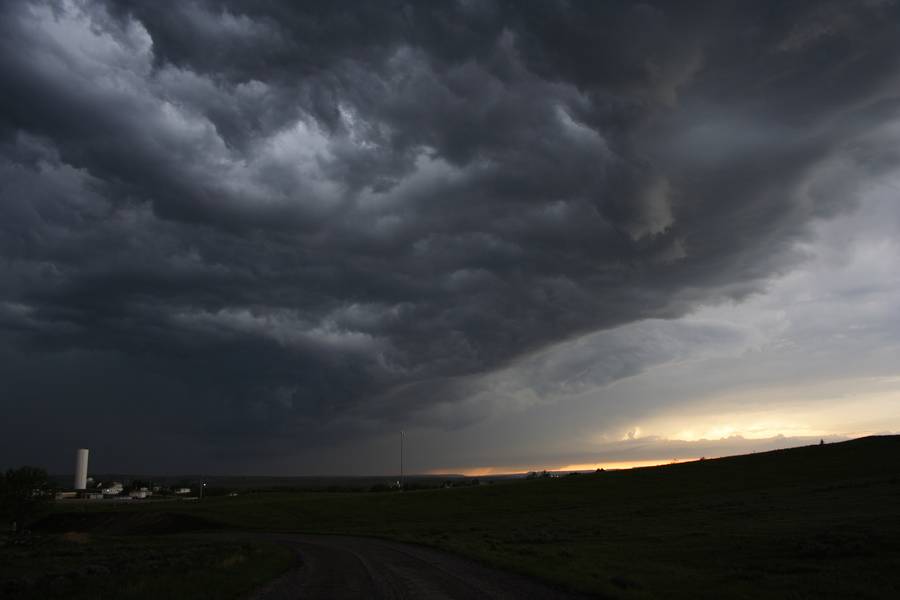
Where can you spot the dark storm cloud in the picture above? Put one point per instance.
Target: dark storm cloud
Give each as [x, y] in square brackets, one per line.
[258, 218]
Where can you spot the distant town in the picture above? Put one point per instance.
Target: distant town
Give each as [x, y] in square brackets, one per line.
[86, 487]
[120, 487]
[136, 490]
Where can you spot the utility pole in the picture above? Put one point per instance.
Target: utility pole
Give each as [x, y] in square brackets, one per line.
[401, 459]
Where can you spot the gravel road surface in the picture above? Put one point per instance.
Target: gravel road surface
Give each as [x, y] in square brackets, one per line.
[338, 567]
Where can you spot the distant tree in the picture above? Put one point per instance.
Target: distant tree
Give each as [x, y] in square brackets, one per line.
[23, 493]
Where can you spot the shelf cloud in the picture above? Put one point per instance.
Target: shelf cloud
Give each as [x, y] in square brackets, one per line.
[262, 227]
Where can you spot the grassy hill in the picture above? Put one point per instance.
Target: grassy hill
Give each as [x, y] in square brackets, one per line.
[812, 522]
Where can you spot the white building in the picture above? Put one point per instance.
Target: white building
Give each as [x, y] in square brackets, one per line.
[113, 489]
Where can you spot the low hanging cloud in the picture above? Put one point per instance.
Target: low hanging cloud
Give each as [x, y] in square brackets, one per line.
[244, 220]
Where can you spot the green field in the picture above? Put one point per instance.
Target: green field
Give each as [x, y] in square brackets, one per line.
[83, 565]
[812, 522]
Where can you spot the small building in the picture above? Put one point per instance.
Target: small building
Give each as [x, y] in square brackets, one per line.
[183, 490]
[113, 489]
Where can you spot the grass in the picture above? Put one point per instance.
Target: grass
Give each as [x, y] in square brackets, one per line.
[82, 565]
[812, 522]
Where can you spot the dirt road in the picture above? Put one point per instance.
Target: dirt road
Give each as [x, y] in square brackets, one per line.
[338, 567]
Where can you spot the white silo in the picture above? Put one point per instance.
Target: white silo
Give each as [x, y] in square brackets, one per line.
[81, 464]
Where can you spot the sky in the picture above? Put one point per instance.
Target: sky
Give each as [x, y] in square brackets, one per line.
[264, 237]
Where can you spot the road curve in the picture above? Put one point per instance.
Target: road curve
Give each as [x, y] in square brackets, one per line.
[344, 567]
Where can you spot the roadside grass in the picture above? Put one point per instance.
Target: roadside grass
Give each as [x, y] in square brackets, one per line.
[83, 565]
[813, 522]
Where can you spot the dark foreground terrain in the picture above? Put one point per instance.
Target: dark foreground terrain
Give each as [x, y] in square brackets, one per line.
[812, 522]
[347, 567]
[78, 565]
